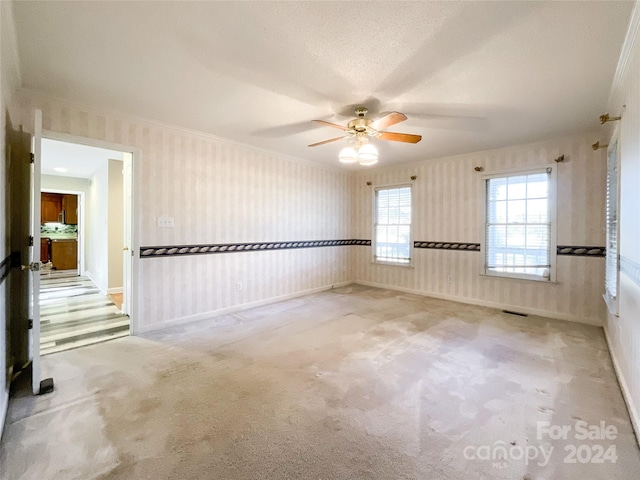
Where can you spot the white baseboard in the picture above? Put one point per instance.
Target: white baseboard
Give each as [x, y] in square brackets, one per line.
[87, 273]
[633, 411]
[235, 308]
[115, 290]
[484, 303]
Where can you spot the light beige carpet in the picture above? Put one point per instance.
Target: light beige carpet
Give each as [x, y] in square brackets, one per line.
[354, 383]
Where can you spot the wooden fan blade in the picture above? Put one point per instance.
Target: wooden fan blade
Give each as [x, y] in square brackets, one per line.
[326, 141]
[400, 137]
[329, 124]
[388, 120]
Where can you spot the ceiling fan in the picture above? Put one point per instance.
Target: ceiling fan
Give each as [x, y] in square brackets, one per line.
[360, 129]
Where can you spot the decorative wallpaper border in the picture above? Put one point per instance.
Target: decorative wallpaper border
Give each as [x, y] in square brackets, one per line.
[631, 269]
[460, 246]
[581, 251]
[181, 250]
[5, 267]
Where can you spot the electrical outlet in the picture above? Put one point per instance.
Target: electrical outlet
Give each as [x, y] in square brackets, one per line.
[239, 286]
[165, 222]
[449, 279]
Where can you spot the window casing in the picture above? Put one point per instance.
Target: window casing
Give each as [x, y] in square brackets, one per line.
[612, 268]
[519, 237]
[392, 225]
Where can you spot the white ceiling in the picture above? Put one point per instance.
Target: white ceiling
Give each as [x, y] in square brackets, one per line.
[80, 161]
[469, 75]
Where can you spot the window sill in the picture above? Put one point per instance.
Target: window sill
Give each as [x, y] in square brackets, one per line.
[525, 279]
[392, 264]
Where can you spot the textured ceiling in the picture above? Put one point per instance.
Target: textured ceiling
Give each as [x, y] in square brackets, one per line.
[469, 75]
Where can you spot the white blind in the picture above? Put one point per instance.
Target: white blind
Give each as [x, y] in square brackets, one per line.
[393, 225]
[518, 228]
[611, 263]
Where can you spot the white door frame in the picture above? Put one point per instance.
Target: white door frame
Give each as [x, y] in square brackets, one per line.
[81, 230]
[135, 210]
[34, 256]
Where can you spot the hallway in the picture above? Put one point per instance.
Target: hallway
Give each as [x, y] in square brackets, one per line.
[74, 313]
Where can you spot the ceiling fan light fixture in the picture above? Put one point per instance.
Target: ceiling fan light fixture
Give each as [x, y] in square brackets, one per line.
[360, 129]
[348, 155]
[368, 153]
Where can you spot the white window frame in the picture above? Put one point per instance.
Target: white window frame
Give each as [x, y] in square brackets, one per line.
[374, 259]
[551, 169]
[610, 299]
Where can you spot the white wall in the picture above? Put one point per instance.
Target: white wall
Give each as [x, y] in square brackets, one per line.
[55, 182]
[97, 220]
[9, 82]
[448, 206]
[116, 225]
[623, 331]
[217, 191]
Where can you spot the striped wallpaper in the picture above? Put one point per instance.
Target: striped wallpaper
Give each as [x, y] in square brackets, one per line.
[218, 192]
[448, 207]
[623, 330]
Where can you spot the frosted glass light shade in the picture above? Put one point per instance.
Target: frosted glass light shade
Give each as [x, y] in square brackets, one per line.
[368, 163]
[367, 154]
[348, 155]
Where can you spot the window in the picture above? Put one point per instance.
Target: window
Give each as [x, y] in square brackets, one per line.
[611, 262]
[393, 225]
[519, 229]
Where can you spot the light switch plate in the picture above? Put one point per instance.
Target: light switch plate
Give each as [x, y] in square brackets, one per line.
[165, 222]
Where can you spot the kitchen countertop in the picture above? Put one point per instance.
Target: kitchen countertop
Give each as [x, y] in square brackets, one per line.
[54, 237]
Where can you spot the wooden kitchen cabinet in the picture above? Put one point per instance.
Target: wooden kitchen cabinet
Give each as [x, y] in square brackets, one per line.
[53, 204]
[70, 209]
[50, 207]
[64, 254]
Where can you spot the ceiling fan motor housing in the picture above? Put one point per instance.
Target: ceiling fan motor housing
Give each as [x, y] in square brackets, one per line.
[361, 111]
[359, 124]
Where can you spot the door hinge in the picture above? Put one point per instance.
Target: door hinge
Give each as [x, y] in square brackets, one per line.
[30, 324]
[31, 240]
[33, 158]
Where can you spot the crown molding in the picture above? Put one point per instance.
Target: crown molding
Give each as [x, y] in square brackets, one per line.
[628, 45]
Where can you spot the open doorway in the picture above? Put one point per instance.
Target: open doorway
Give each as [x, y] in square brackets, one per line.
[61, 228]
[86, 237]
